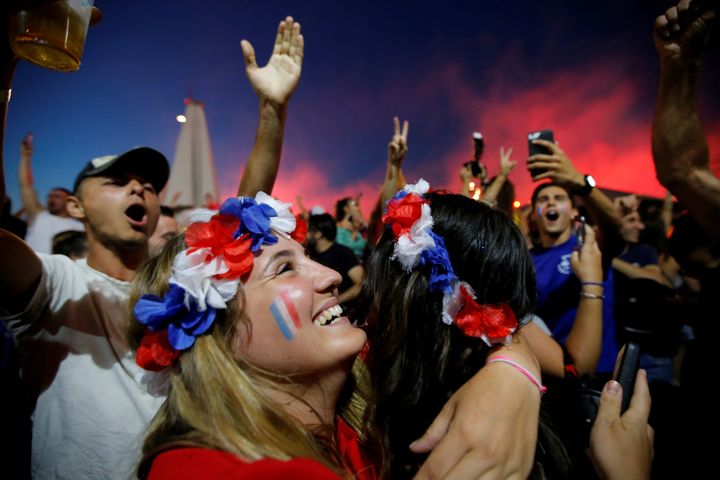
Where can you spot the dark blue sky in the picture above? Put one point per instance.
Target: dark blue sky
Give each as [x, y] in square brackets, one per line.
[585, 69]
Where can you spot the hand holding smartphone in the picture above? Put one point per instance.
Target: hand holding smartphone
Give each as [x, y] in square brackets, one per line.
[580, 223]
[627, 371]
[535, 149]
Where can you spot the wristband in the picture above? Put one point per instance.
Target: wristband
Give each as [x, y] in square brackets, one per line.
[597, 284]
[520, 369]
[591, 296]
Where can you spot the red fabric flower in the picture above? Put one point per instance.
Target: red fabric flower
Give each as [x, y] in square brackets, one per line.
[238, 257]
[300, 230]
[155, 352]
[491, 322]
[217, 235]
[402, 213]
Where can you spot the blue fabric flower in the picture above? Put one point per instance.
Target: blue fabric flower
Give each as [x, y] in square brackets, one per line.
[254, 219]
[442, 276]
[155, 312]
[170, 312]
[182, 334]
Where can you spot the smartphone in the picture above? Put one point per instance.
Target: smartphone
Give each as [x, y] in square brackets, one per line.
[538, 149]
[580, 231]
[627, 372]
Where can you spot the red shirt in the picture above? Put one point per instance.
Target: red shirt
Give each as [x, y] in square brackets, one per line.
[193, 463]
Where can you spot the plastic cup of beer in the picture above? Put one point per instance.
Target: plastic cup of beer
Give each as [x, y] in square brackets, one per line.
[50, 33]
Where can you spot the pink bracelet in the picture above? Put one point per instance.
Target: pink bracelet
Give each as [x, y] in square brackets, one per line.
[521, 369]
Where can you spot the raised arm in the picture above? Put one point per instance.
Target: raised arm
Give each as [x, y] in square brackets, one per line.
[21, 267]
[559, 168]
[680, 149]
[27, 189]
[394, 178]
[274, 84]
[506, 166]
[584, 342]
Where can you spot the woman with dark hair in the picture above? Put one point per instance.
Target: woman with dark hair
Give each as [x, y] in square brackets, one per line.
[446, 284]
[350, 225]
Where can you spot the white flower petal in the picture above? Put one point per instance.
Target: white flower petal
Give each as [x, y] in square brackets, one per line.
[408, 249]
[419, 188]
[452, 303]
[285, 220]
[226, 289]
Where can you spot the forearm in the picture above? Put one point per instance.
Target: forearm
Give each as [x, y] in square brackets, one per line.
[680, 149]
[349, 294]
[667, 211]
[633, 271]
[493, 190]
[548, 351]
[262, 167]
[608, 221]
[585, 339]
[465, 189]
[678, 140]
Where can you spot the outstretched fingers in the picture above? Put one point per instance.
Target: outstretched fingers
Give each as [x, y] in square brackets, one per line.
[248, 55]
[279, 38]
[297, 47]
[286, 36]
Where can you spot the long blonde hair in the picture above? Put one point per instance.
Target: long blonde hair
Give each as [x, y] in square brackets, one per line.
[215, 400]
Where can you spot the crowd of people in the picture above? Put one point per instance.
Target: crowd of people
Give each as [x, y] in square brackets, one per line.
[446, 335]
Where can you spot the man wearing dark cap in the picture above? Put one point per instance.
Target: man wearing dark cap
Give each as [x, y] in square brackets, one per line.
[93, 401]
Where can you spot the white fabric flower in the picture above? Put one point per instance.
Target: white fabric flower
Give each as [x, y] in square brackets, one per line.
[421, 187]
[193, 273]
[285, 221]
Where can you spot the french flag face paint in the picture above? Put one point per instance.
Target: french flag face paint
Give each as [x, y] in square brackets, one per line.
[285, 315]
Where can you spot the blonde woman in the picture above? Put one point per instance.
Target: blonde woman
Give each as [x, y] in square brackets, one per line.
[248, 332]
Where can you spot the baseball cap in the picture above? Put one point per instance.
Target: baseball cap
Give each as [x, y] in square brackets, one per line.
[143, 161]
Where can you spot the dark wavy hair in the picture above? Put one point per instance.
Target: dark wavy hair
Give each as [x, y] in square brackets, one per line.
[416, 361]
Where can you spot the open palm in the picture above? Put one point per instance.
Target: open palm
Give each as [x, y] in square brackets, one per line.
[277, 80]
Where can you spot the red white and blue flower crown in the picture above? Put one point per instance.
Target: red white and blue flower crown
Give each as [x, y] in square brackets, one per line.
[206, 275]
[410, 217]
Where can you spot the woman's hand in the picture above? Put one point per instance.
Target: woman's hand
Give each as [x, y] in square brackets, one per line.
[621, 447]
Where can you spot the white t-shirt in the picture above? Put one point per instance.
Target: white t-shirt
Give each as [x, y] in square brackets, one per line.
[45, 226]
[92, 406]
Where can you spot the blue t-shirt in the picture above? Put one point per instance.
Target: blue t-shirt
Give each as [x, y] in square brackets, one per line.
[559, 293]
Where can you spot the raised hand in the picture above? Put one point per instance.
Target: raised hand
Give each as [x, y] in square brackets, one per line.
[276, 81]
[506, 165]
[398, 146]
[557, 166]
[682, 32]
[587, 263]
